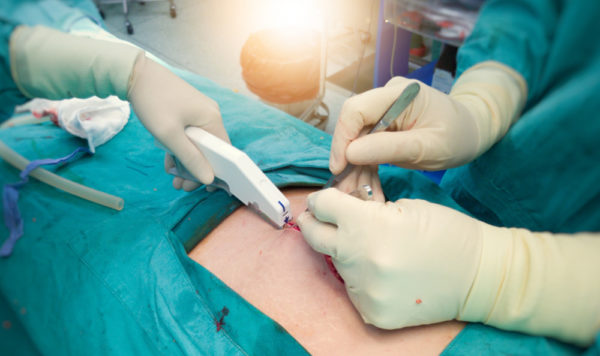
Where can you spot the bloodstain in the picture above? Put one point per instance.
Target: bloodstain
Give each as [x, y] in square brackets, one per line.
[221, 321]
[333, 269]
[292, 225]
[33, 219]
[6, 324]
[23, 311]
[418, 301]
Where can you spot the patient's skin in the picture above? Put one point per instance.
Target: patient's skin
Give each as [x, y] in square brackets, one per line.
[277, 272]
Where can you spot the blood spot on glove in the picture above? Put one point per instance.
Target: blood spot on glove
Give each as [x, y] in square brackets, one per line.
[220, 322]
[23, 311]
[6, 324]
[418, 301]
[33, 219]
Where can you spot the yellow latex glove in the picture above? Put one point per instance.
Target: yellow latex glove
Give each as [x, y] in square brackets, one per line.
[47, 63]
[436, 131]
[413, 262]
[166, 105]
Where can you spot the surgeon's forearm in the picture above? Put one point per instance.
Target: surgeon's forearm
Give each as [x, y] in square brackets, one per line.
[47, 63]
[494, 94]
[538, 283]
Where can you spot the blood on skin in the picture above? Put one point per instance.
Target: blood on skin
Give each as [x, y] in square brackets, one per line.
[333, 269]
[292, 225]
[328, 260]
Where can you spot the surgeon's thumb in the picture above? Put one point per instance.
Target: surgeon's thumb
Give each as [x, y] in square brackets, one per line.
[319, 235]
[192, 159]
[328, 210]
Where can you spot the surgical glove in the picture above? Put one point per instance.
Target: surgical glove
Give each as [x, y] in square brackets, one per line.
[359, 176]
[436, 131]
[413, 262]
[51, 64]
[166, 105]
[47, 63]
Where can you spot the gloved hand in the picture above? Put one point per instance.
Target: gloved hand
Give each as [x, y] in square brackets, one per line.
[436, 131]
[359, 176]
[406, 263]
[47, 63]
[166, 105]
[413, 262]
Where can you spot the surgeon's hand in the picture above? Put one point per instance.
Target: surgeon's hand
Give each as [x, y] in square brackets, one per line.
[166, 105]
[436, 131]
[413, 262]
[51, 64]
[405, 263]
[362, 175]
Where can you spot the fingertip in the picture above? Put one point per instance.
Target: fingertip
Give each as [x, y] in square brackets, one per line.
[189, 185]
[177, 182]
[336, 167]
[310, 200]
[335, 163]
[302, 218]
[205, 176]
[202, 170]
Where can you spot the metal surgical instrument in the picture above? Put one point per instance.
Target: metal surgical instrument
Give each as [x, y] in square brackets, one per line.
[391, 114]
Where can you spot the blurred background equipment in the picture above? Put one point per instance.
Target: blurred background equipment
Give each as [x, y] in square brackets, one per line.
[128, 25]
[444, 24]
[361, 44]
[283, 67]
[285, 62]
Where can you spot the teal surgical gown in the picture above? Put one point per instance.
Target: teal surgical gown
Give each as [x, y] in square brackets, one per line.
[86, 279]
[544, 174]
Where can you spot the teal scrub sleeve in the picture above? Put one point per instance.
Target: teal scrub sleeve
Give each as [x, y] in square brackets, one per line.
[518, 33]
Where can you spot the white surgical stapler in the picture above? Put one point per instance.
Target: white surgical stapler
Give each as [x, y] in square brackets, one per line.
[237, 174]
